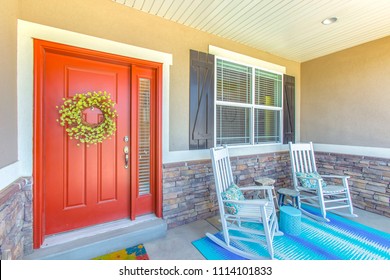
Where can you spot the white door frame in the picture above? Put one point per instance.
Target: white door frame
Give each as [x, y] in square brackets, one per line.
[27, 31]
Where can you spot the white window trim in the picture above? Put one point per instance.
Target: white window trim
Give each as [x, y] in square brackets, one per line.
[246, 60]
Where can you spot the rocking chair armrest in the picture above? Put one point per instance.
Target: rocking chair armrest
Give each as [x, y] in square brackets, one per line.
[259, 202]
[336, 176]
[256, 188]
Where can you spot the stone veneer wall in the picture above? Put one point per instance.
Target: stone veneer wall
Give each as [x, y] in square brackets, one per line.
[369, 182]
[16, 220]
[189, 192]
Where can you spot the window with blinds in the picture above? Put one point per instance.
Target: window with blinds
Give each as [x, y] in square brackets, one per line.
[248, 104]
[144, 137]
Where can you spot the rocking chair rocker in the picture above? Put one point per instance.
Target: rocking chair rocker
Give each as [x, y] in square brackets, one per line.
[238, 215]
[312, 187]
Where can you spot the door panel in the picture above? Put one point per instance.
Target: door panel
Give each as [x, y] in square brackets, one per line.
[85, 184]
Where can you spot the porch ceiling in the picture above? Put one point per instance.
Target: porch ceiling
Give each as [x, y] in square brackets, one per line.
[290, 29]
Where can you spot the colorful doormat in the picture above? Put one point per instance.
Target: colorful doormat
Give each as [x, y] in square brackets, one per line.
[132, 253]
[340, 239]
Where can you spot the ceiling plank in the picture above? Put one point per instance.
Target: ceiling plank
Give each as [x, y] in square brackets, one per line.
[288, 28]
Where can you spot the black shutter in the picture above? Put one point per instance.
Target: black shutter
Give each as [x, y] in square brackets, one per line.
[289, 109]
[201, 100]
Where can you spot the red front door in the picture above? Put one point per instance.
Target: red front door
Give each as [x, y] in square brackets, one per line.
[79, 185]
[85, 184]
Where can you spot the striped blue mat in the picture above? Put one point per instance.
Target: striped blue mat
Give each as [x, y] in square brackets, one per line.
[340, 239]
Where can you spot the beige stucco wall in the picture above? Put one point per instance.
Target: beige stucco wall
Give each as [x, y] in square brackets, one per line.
[346, 96]
[109, 20]
[8, 105]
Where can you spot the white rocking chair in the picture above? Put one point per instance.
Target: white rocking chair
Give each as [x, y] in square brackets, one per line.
[312, 187]
[247, 211]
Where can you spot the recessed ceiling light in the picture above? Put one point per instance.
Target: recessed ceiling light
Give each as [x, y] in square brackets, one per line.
[329, 20]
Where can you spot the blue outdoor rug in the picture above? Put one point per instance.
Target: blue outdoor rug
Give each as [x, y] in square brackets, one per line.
[340, 239]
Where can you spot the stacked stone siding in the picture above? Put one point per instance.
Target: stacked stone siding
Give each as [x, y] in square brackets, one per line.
[16, 220]
[369, 182]
[189, 190]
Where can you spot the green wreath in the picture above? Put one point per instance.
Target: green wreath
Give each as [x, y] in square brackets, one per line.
[71, 117]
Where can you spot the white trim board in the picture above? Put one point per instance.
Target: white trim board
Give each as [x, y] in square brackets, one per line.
[241, 58]
[192, 155]
[353, 150]
[9, 174]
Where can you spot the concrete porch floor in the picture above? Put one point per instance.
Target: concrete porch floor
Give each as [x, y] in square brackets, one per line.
[160, 243]
[94, 241]
[176, 245]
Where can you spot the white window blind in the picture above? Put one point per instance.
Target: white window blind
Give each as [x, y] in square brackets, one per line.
[233, 125]
[268, 95]
[268, 88]
[234, 88]
[248, 104]
[144, 137]
[233, 82]
[267, 126]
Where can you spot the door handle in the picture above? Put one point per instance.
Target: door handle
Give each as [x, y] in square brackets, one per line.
[126, 151]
